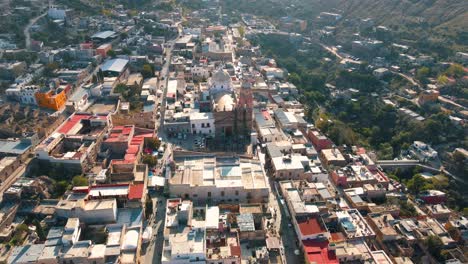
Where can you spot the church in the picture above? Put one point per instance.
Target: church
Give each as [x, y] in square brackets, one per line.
[231, 104]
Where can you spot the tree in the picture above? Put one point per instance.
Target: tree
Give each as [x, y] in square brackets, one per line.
[79, 181]
[126, 51]
[153, 143]
[407, 209]
[39, 230]
[147, 71]
[111, 53]
[150, 160]
[60, 188]
[416, 184]
[100, 75]
[49, 69]
[294, 78]
[434, 245]
[422, 74]
[455, 70]
[148, 206]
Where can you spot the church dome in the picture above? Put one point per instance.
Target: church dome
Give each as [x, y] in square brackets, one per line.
[221, 76]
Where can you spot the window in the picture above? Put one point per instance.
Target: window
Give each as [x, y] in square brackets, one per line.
[209, 194]
[207, 124]
[222, 193]
[237, 193]
[202, 124]
[193, 125]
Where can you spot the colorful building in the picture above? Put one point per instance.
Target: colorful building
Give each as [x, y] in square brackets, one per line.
[53, 99]
[103, 49]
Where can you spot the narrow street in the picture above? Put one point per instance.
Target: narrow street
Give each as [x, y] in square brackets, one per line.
[27, 33]
[155, 246]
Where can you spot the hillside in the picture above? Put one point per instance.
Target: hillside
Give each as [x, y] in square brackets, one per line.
[449, 16]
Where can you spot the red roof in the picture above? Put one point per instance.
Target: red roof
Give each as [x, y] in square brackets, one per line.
[69, 124]
[337, 237]
[235, 251]
[136, 191]
[317, 252]
[310, 227]
[132, 149]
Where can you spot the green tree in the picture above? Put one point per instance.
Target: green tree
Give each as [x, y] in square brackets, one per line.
[39, 230]
[455, 70]
[79, 181]
[385, 151]
[111, 53]
[150, 160]
[434, 245]
[153, 143]
[295, 78]
[416, 184]
[147, 71]
[148, 206]
[422, 74]
[49, 69]
[60, 187]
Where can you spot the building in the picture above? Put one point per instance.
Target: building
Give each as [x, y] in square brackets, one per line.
[219, 179]
[290, 121]
[382, 225]
[104, 36]
[184, 238]
[23, 94]
[92, 211]
[116, 68]
[319, 140]
[54, 99]
[75, 143]
[332, 157]
[428, 96]
[353, 224]
[292, 167]
[103, 49]
[423, 152]
[380, 72]
[202, 123]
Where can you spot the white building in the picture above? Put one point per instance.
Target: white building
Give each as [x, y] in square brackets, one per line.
[423, 151]
[23, 94]
[56, 13]
[71, 232]
[202, 123]
[200, 71]
[93, 211]
[292, 167]
[219, 179]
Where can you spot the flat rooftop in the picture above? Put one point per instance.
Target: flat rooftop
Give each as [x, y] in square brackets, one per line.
[220, 172]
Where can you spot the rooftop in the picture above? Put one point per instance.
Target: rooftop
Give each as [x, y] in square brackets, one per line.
[114, 65]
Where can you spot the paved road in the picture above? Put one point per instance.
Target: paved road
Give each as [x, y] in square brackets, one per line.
[19, 172]
[409, 78]
[166, 74]
[155, 247]
[26, 32]
[285, 228]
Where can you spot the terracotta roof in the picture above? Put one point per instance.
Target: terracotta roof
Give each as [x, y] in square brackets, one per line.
[136, 191]
[310, 227]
